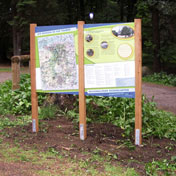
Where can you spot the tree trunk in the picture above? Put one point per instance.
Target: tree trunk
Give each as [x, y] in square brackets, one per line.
[16, 41]
[171, 28]
[156, 40]
[16, 32]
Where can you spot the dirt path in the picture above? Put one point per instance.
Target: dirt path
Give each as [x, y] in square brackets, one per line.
[5, 76]
[164, 96]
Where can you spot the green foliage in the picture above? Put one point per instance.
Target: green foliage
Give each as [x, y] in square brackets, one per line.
[88, 165]
[48, 112]
[53, 12]
[21, 11]
[4, 16]
[166, 32]
[161, 78]
[144, 12]
[104, 11]
[165, 167]
[19, 121]
[157, 122]
[168, 57]
[120, 112]
[53, 151]
[18, 101]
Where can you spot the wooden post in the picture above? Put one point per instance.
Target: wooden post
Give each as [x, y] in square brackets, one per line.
[34, 99]
[138, 82]
[15, 65]
[15, 61]
[82, 103]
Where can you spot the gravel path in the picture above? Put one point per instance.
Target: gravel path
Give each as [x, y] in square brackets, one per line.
[164, 96]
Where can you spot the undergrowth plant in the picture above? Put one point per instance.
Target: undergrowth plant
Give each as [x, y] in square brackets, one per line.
[118, 111]
[17, 101]
[121, 112]
[155, 168]
[19, 121]
[48, 112]
[161, 78]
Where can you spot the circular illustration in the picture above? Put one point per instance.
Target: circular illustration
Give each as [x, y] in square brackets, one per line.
[90, 52]
[123, 31]
[104, 44]
[125, 50]
[89, 38]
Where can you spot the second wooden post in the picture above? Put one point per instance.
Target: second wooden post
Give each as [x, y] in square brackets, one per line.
[82, 103]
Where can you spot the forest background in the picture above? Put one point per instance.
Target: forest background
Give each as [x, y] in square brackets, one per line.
[158, 24]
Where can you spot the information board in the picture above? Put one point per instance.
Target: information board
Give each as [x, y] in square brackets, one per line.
[109, 60]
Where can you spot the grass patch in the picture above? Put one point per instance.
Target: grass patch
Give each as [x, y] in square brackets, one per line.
[14, 154]
[6, 122]
[9, 69]
[5, 69]
[114, 171]
[54, 163]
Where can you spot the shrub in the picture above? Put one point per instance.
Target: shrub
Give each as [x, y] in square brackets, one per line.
[18, 101]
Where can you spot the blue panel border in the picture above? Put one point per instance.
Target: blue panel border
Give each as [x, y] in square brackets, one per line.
[119, 94]
[55, 27]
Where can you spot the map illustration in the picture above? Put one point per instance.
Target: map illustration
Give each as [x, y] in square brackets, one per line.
[58, 62]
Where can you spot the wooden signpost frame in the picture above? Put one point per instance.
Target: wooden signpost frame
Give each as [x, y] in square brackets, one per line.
[82, 102]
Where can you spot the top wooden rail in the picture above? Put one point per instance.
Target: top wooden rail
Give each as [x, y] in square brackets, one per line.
[15, 64]
[21, 58]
